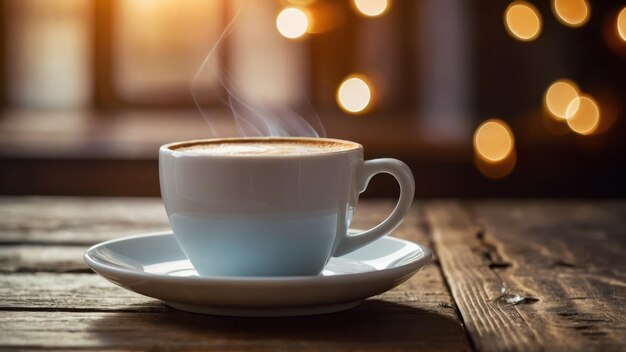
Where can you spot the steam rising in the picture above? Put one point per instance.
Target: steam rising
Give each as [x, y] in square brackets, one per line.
[253, 118]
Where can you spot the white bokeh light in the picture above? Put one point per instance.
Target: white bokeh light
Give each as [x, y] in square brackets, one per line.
[354, 94]
[371, 8]
[292, 22]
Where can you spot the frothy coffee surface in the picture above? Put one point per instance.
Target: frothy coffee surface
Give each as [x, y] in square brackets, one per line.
[265, 147]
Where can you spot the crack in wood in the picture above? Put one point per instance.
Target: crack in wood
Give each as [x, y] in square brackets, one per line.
[495, 261]
[445, 305]
[491, 252]
[473, 267]
[564, 264]
[575, 318]
[499, 265]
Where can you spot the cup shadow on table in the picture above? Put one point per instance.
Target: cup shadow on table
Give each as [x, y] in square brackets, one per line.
[373, 322]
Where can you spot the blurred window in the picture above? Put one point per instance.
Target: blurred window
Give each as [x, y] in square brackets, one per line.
[47, 53]
[145, 53]
[157, 46]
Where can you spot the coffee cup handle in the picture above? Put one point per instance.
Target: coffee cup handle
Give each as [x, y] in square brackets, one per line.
[404, 176]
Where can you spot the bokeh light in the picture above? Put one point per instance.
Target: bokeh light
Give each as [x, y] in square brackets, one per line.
[354, 94]
[621, 23]
[583, 115]
[371, 8]
[493, 140]
[522, 21]
[572, 13]
[292, 22]
[558, 97]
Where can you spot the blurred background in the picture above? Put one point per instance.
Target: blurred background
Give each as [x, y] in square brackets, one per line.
[480, 98]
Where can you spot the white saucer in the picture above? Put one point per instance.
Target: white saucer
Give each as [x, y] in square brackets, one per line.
[153, 265]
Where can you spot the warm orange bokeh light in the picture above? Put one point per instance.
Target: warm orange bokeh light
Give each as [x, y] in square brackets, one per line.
[621, 23]
[572, 13]
[522, 21]
[493, 140]
[292, 22]
[371, 8]
[583, 115]
[558, 97]
[354, 94]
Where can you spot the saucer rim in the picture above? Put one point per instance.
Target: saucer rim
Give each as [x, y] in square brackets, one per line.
[99, 267]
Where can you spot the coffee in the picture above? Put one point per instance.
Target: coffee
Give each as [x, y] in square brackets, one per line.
[251, 147]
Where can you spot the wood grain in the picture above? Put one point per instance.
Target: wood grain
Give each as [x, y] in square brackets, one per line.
[48, 300]
[84, 221]
[566, 259]
[70, 292]
[38, 258]
[375, 325]
[84, 292]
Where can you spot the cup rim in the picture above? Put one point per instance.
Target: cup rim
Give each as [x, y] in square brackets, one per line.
[354, 146]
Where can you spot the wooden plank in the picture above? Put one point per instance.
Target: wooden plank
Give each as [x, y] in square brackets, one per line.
[418, 314]
[37, 258]
[375, 325]
[571, 257]
[562, 259]
[83, 221]
[70, 292]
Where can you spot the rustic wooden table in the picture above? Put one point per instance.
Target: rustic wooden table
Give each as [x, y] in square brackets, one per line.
[562, 262]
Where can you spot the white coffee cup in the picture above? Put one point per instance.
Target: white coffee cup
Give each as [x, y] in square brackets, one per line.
[282, 213]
